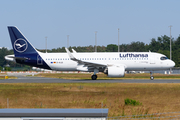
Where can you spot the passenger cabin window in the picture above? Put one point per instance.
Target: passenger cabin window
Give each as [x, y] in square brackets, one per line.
[164, 58]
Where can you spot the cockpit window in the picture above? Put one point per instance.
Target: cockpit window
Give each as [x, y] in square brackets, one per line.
[164, 58]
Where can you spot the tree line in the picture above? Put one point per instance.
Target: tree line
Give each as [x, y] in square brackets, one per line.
[160, 45]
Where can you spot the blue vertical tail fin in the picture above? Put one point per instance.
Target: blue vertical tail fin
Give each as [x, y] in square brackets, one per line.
[24, 52]
[20, 44]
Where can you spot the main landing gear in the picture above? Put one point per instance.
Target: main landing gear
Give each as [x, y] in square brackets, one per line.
[152, 78]
[94, 76]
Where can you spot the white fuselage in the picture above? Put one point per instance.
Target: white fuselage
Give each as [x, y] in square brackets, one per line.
[141, 61]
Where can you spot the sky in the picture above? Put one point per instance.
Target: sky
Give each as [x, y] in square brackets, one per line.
[138, 20]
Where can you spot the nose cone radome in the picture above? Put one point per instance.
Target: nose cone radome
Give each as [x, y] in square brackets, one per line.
[172, 64]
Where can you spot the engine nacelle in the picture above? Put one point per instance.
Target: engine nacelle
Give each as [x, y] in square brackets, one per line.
[116, 71]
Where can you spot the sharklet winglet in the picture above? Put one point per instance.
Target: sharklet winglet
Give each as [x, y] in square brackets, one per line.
[70, 55]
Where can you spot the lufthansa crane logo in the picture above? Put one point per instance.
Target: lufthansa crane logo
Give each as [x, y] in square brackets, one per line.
[20, 45]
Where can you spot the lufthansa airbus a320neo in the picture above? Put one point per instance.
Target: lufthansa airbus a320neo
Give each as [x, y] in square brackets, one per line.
[114, 64]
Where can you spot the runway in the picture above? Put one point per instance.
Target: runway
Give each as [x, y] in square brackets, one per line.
[23, 79]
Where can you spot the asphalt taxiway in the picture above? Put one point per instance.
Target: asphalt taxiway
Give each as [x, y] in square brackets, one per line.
[23, 79]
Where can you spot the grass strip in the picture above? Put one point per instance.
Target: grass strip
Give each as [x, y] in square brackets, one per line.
[155, 98]
[9, 77]
[87, 76]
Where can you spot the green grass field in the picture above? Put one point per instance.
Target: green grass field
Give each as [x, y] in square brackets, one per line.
[155, 98]
[7, 77]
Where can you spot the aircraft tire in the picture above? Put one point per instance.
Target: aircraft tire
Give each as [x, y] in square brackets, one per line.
[152, 78]
[94, 77]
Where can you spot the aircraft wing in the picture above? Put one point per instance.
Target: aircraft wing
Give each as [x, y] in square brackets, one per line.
[89, 64]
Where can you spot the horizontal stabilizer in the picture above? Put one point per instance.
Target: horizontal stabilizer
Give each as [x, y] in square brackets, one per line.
[16, 58]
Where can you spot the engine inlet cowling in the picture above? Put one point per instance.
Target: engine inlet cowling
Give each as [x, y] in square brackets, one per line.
[116, 71]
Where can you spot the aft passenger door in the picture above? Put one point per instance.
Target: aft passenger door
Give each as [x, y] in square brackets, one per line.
[39, 60]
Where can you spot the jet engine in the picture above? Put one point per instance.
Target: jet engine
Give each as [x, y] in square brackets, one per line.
[116, 71]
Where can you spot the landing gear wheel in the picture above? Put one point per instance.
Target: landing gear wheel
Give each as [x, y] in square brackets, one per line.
[94, 77]
[152, 78]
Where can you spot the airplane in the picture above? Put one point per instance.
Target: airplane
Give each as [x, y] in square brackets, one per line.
[114, 64]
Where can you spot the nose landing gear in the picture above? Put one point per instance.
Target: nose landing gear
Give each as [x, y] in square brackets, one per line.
[152, 77]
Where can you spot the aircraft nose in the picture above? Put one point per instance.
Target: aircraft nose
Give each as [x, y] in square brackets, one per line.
[172, 64]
